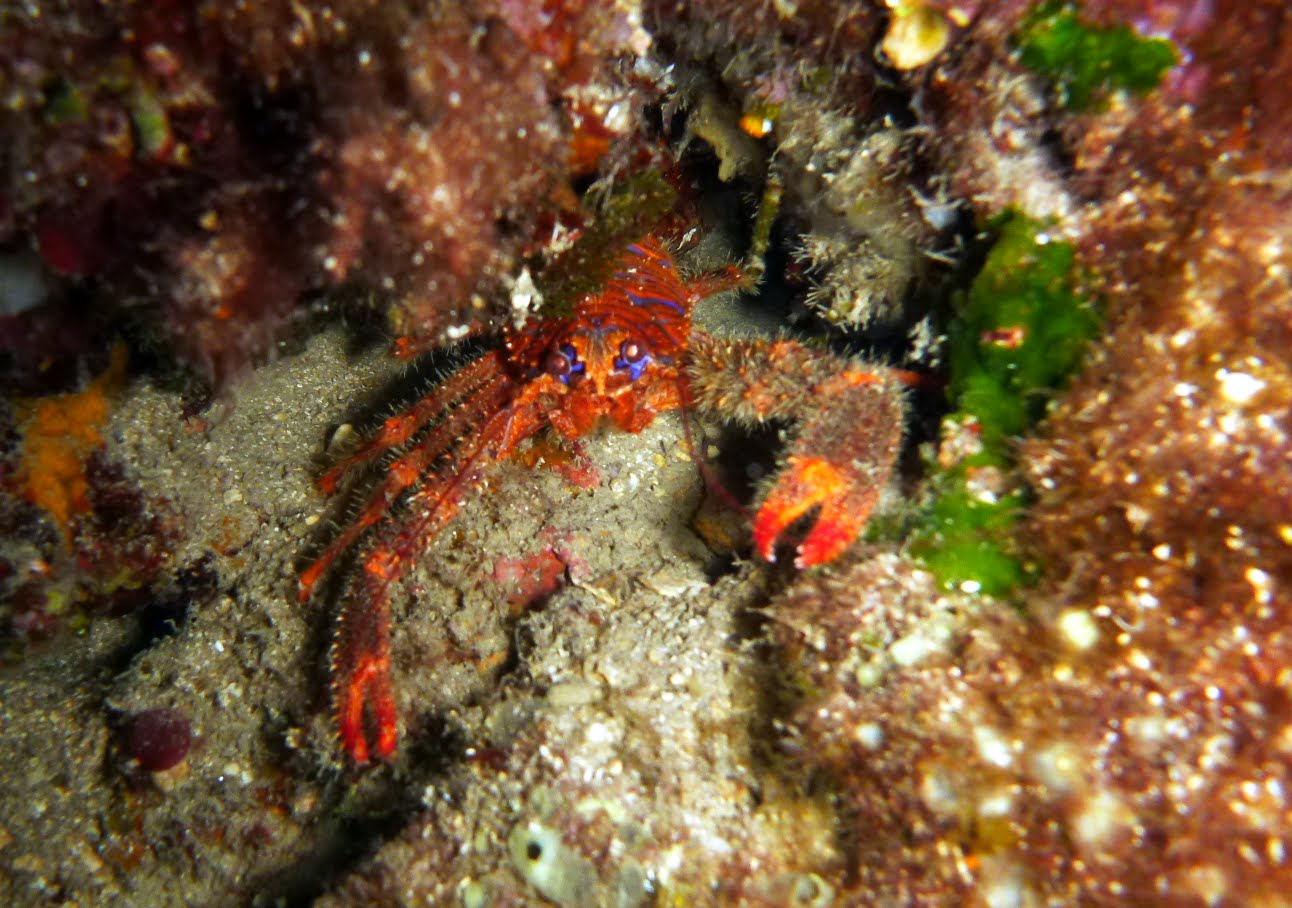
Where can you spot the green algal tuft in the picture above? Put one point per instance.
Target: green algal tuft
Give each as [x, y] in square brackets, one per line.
[966, 539]
[1022, 327]
[148, 116]
[64, 103]
[1086, 62]
[1016, 335]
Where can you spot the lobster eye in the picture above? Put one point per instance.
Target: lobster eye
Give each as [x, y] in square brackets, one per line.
[632, 358]
[558, 364]
[563, 363]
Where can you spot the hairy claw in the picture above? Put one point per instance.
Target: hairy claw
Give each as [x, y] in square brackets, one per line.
[804, 484]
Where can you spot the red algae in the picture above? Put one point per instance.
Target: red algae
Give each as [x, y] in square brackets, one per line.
[218, 163]
[157, 739]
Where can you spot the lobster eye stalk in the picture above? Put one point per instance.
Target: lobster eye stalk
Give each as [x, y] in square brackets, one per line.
[563, 363]
[632, 358]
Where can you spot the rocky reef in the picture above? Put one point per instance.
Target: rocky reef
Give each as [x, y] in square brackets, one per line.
[1059, 669]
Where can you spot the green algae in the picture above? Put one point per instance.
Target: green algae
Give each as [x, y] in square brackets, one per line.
[1017, 334]
[966, 539]
[1086, 62]
[768, 210]
[64, 103]
[148, 116]
[1022, 327]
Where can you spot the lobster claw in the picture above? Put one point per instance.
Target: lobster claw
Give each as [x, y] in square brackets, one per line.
[848, 417]
[843, 502]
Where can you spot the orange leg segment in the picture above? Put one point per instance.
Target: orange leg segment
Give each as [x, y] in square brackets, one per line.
[401, 474]
[361, 688]
[361, 664]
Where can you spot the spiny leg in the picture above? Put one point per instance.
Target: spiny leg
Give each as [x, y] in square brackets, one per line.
[360, 662]
[712, 283]
[850, 432]
[399, 430]
[404, 472]
[361, 648]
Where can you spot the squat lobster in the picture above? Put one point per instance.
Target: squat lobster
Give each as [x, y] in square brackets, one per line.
[624, 354]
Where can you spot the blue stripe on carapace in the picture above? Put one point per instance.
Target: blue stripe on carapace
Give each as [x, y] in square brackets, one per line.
[639, 299]
[655, 255]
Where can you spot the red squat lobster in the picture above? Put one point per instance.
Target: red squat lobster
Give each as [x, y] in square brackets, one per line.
[626, 354]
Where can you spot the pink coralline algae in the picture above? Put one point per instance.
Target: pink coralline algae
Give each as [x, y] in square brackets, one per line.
[986, 758]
